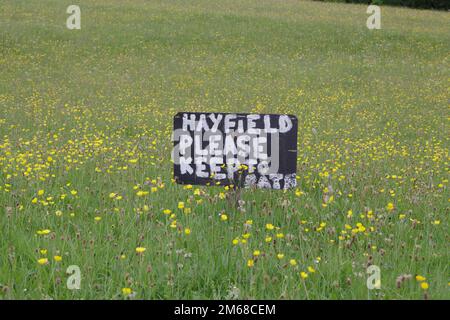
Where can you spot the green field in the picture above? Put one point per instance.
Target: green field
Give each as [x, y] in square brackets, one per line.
[85, 142]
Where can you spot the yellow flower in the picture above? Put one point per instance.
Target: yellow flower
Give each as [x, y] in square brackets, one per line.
[98, 218]
[167, 211]
[268, 239]
[140, 250]
[280, 256]
[436, 222]
[269, 226]
[390, 206]
[420, 278]
[280, 235]
[250, 263]
[57, 258]
[424, 285]
[74, 192]
[42, 261]
[256, 253]
[141, 193]
[311, 269]
[293, 262]
[235, 241]
[41, 192]
[180, 205]
[223, 217]
[187, 231]
[127, 291]
[303, 275]
[43, 251]
[43, 232]
[58, 213]
[34, 200]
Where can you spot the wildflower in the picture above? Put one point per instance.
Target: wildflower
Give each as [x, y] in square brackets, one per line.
[303, 275]
[436, 222]
[280, 256]
[424, 285]
[420, 278]
[256, 253]
[34, 200]
[43, 252]
[223, 217]
[187, 231]
[180, 205]
[98, 218]
[58, 213]
[311, 269]
[57, 258]
[280, 235]
[269, 226]
[390, 206]
[41, 192]
[235, 241]
[142, 193]
[293, 262]
[167, 211]
[268, 239]
[43, 232]
[126, 291]
[250, 263]
[42, 261]
[140, 250]
[74, 192]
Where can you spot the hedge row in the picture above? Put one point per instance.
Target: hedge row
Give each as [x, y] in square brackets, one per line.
[424, 4]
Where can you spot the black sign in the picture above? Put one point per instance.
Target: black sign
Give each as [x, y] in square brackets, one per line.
[250, 150]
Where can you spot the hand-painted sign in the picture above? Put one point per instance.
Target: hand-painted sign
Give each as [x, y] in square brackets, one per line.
[247, 150]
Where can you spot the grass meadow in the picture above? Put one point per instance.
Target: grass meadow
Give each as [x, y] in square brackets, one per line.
[85, 141]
